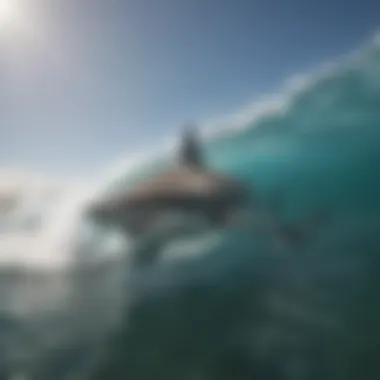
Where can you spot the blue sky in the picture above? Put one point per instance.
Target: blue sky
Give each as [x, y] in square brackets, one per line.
[84, 81]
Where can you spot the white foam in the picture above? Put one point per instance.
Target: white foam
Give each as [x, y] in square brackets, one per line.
[39, 231]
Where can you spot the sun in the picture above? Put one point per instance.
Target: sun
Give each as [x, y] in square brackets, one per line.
[9, 13]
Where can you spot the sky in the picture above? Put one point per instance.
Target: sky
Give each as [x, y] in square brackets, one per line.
[85, 81]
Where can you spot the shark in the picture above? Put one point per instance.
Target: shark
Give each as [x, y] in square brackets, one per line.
[191, 199]
[190, 188]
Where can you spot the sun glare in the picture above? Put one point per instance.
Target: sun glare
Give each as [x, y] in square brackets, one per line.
[9, 13]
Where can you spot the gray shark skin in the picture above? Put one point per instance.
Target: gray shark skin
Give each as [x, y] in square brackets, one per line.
[190, 188]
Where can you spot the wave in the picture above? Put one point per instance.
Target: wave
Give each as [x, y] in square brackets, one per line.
[228, 305]
[45, 227]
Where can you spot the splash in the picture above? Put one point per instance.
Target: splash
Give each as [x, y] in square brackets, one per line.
[38, 228]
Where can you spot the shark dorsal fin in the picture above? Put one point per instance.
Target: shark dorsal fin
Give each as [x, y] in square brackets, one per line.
[191, 152]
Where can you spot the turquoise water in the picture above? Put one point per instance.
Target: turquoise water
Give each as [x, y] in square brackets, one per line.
[243, 309]
[230, 304]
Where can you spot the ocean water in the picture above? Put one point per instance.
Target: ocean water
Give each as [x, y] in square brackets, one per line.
[221, 304]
